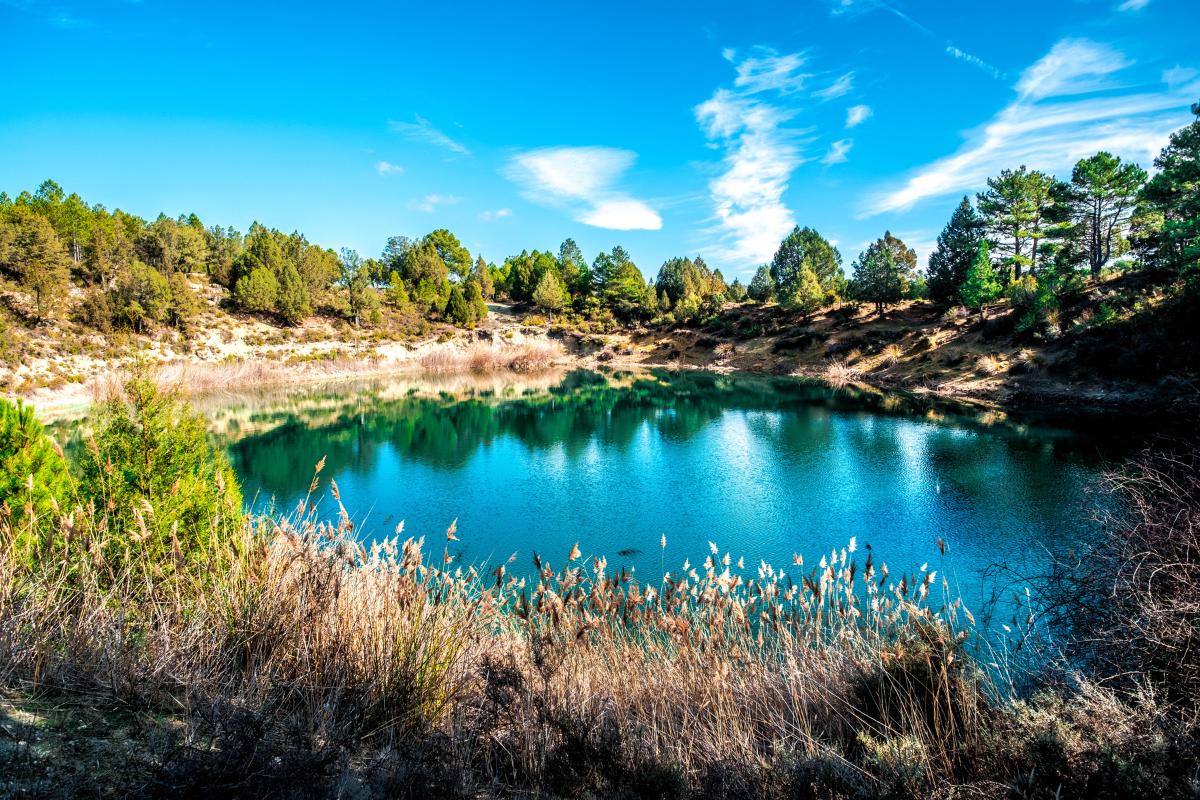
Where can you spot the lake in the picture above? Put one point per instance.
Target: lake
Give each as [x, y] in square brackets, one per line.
[764, 467]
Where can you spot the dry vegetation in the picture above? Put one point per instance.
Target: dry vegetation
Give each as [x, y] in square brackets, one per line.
[318, 667]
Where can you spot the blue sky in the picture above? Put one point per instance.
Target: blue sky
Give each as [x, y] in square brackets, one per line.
[670, 128]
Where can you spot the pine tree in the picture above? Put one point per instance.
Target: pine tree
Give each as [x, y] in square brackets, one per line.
[293, 303]
[457, 309]
[550, 294]
[397, 293]
[479, 306]
[762, 286]
[981, 285]
[956, 246]
[257, 291]
[807, 296]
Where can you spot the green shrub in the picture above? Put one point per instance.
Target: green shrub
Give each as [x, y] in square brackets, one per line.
[257, 291]
[34, 479]
[170, 498]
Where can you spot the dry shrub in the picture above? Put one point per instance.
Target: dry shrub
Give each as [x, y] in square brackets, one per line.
[484, 358]
[990, 365]
[839, 373]
[1130, 607]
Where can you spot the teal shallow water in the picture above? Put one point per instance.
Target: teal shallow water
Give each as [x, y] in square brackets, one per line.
[763, 467]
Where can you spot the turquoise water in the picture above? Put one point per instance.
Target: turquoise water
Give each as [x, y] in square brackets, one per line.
[763, 467]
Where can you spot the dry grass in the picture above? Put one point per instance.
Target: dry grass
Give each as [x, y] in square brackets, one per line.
[485, 358]
[892, 354]
[839, 373]
[991, 365]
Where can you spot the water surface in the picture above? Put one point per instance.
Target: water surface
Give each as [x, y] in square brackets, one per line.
[764, 467]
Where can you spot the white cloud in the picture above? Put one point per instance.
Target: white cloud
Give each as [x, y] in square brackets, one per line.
[760, 156]
[1177, 77]
[584, 180]
[769, 71]
[421, 130]
[492, 216]
[1133, 5]
[387, 168]
[1059, 116]
[856, 115]
[837, 151]
[1072, 67]
[973, 60]
[430, 202]
[841, 86]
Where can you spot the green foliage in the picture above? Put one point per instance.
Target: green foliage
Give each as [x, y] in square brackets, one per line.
[458, 310]
[169, 497]
[1104, 192]
[474, 296]
[258, 290]
[885, 272]
[34, 480]
[807, 296]
[396, 294]
[805, 248]
[450, 251]
[184, 306]
[1034, 304]
[143, 297]
[982, 285]
[956, 246]
[482, 276]
[550, 294]
[762, 286]
[31, 252]
[736, 292]
[1015, 210]
[1174, 196]
[689, 285]
[293, 302]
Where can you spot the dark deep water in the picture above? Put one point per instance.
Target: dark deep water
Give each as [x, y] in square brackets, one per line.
[764, 467]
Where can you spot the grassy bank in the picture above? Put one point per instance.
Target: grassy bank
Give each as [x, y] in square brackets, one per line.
[155, 646]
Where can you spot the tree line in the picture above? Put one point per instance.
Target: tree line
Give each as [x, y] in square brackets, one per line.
[1029, 235]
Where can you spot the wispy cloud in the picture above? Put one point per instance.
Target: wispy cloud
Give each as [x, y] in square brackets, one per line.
[1068, 106]
[388, 168]
[841, 86]
[492, 216]
[760, 154]
[838, 151]
[430, 202]
[585, 181]
[857, 115]
[421, 130]
[767, 71]
[1133, 5]
[973, 60]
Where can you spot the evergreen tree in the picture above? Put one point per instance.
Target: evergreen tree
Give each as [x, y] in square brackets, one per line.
[30, 250]
[397, 293]
[805, 248]
[479, 306]
[1014, 210]
[185, 306]
[762, 286]
[807, 296]
[981, 285]
[1173, 198]
[1105, 191]
[878, 276]
[293, 303]
[458, 310]
[483, 276]
[956, 247]
[550, 294]
[34, 479]
[257, 291]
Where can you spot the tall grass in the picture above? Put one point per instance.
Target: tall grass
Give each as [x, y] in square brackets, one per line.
[481, 358]
[310, 664]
